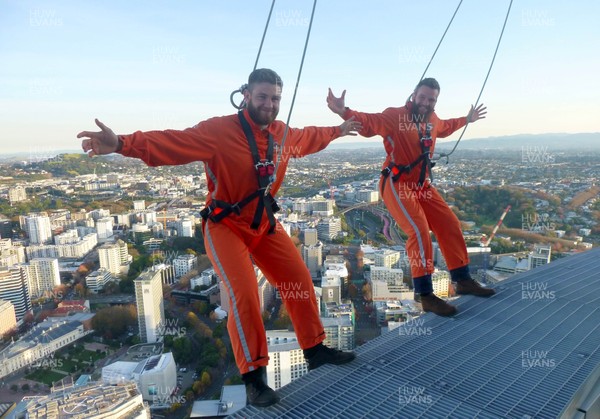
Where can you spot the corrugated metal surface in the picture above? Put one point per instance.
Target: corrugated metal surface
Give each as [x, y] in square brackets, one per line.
[521, 354]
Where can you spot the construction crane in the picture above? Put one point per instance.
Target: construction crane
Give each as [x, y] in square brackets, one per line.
[486, 242]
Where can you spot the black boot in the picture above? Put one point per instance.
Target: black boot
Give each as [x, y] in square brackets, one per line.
[321, 354]
[259, 394]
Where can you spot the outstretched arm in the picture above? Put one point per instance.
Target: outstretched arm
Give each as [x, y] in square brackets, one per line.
[372, 123]
[447, 126]
[158, 148]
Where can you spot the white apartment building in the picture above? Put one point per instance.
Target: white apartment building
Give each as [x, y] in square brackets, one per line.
[540, 256]
[150, 305]
[14, 288]
[441, 283]
[329, 228]
[185, 227]
[286, 358]
[387, 258]
[43, 275]
[97, 280]
[184, 264]
[8, 318]
[38, 228]
[313, 257]
[365, 195]
[104, 228]
[17, 194]
[339, 332]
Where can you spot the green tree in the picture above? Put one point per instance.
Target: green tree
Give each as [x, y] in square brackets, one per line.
[112, 322]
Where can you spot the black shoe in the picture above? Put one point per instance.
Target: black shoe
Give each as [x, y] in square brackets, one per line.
[470, 286]
[259, 394]
[321, 354]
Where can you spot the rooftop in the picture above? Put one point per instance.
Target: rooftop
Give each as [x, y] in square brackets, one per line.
[532, 350]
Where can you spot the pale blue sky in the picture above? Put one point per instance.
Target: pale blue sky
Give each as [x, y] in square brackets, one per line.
[169, 64]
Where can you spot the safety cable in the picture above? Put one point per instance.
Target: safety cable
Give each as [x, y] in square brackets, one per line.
[446, 155]
[262, 41]
[287, 123]
[440, 43]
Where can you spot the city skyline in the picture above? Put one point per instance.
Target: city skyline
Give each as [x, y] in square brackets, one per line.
[148, 66]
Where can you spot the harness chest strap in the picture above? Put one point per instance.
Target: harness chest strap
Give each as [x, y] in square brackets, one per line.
[396, 170]
[265, 172]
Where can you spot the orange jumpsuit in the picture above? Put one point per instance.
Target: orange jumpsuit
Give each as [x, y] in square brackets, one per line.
[221, 144]
[416, 209]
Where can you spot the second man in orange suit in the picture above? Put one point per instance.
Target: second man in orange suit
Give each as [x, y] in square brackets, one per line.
[245, 163]
[409, 135]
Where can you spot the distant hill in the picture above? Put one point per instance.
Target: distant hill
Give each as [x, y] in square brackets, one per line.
[510, 142]
[517, 142]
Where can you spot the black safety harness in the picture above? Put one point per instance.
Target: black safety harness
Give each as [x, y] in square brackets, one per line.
[396, 170]
[265, 174]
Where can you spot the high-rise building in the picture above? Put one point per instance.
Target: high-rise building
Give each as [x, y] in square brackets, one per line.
[390, 275]
[387, 258]
[8, 319]
[113, 256]
[540, 256]
[441, 283]
[5, 228]
[139, 205]
[104, 228]
[266, 291]
[329, 228]
[331, 287]
[185, 227]
[13, 288]
[286, 358]
[339, 333]
[16, 194]
[150, 305]
[313, 258]
[68, 237]
[365, 195]
[97, 280]
[38, 228]
[322, 208]
[311, 237]
[43, 275]
[184, 264]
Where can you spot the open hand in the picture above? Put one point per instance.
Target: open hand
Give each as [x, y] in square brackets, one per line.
[350, 125]
[477, 113]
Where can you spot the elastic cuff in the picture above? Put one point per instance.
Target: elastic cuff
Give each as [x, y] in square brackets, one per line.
[423, 284]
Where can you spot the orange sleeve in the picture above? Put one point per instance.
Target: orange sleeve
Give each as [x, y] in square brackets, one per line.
[173, 147]
[308, 140]
[446, 127]
[383, 124]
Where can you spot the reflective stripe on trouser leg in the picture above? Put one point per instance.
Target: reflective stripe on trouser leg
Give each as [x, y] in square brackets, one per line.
[247, 358]
[416, 231]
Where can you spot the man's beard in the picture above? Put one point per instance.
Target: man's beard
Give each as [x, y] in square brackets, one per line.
[418, 117]
[258, 118]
